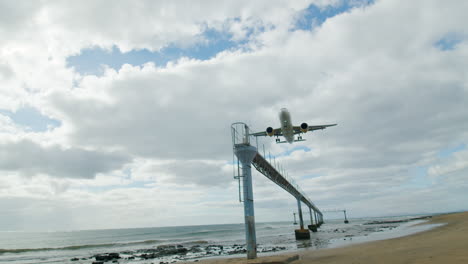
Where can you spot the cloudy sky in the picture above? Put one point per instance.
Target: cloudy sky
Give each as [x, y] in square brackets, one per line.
[117, 113]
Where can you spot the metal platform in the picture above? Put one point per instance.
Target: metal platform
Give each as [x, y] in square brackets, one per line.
[246, 154]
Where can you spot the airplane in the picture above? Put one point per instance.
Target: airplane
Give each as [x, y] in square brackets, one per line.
[287, 130]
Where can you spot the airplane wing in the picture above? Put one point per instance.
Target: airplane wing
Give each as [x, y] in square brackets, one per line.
[297, 129]
[275, 132]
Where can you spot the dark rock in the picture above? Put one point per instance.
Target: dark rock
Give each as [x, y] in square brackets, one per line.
[114, 255]
[165, 247]
[173, 251]
[149, 256]
[98, 262]
[396, 221]
[195, 249]
[74, 259]
[214, 246]
[182, 250]
[107, 256]
[101, 257]
[237, 251]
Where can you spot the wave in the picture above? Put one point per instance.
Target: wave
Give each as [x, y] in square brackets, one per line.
[207, 232]
[78, 247]
[195, 242]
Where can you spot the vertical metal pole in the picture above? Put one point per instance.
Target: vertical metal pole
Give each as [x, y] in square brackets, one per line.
[246, 154]
[301, 220]
[249, 214]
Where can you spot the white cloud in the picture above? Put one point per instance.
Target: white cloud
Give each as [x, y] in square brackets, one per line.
[458, 162]
[30, 159]
[375, 71]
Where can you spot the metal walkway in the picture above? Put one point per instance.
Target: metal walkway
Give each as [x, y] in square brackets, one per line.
[248, 155]
[265, 168]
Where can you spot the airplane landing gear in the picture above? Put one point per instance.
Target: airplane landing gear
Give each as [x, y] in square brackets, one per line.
[277, 140]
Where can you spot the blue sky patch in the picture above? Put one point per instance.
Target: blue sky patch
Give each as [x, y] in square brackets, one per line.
[90, 61]
[310, 176]
[31, 118]
[291, 150]
[448, 42]
[445, 153]
[419, 178]
[315, 16]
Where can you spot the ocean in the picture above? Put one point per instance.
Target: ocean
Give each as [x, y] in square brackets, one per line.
[189, 243]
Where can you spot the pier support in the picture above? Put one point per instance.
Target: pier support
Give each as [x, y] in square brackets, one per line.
[301, 233]
[319, 219]
[311, 218]
[246, 154]
[299, 210]
[312, 226]
[345, 219]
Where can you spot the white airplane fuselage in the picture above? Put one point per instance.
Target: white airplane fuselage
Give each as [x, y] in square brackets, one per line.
[286, 125]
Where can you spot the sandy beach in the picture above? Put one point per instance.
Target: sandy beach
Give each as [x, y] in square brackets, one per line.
[444, 244]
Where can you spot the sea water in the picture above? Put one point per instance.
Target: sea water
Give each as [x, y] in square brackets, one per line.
[188, 242]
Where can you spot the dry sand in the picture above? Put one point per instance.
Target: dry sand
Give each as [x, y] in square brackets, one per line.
[446, 244]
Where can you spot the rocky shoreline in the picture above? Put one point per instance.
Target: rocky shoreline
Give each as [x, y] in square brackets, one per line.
[172, 253]
[397, 221]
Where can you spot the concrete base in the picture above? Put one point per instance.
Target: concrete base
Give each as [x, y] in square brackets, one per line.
[346, 221]
[302, 234]
[313, 228]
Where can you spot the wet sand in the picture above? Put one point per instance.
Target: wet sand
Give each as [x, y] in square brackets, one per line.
[445, 244]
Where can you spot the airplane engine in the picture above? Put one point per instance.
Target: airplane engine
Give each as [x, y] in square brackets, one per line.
[269, 131]
[304, 127]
